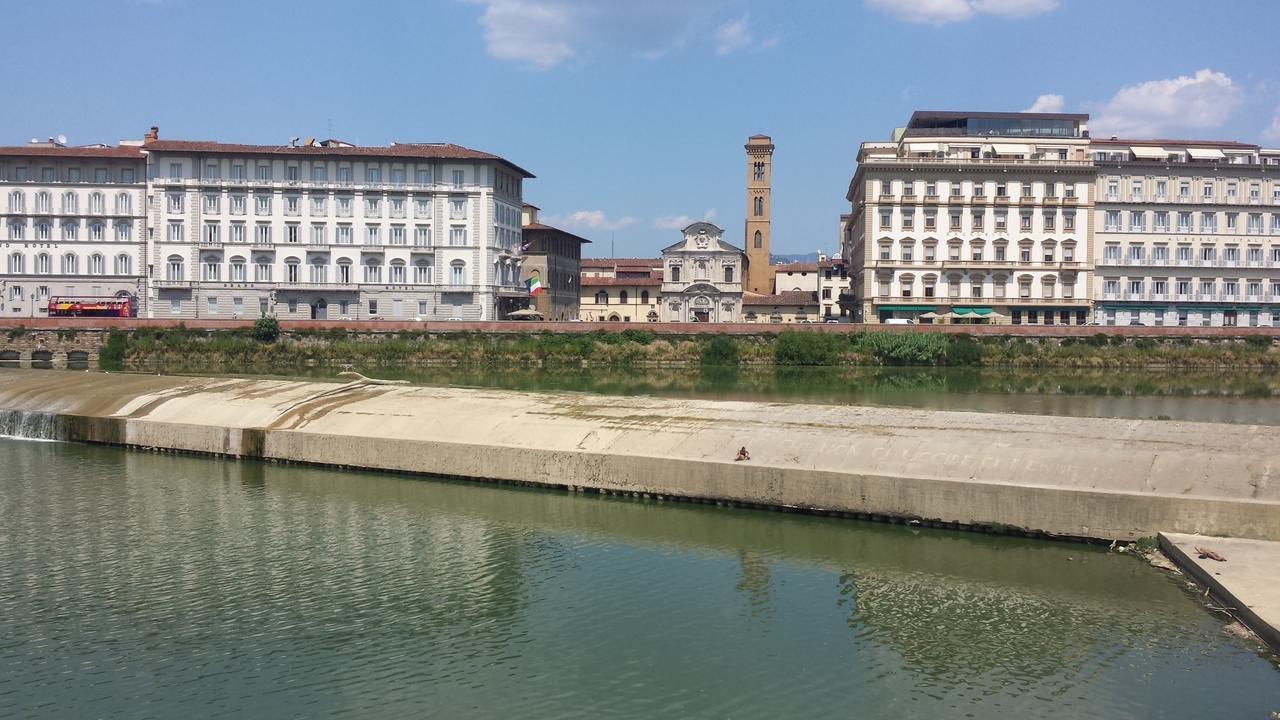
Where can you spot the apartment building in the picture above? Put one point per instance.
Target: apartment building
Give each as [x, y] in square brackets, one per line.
[981, 217]
[71, 224]
[833, 283]
[1186, 233]
[330, 230]
[552, 264]
[620, 290]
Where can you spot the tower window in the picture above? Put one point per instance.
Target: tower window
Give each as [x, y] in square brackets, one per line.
[759, 240]
[759, 207]
[758, 175]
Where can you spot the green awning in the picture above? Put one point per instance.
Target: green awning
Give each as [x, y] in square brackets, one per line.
[971, 311]
[907, 308]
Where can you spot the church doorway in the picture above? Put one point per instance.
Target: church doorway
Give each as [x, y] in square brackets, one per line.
[702, 316]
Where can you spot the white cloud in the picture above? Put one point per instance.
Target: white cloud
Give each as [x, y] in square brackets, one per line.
[680, 222]
[1046, 104]
[589, 219]
[941, 12]
[1272, 133]
[548, 33]
[1158, 107]
[732, 36]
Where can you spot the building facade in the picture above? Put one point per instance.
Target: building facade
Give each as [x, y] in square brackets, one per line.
[1186, 233]
[979, 214]
[71, 225]
[702, 277]
[552, 264]
[759, 226]
[620, 290]
[333, 231]
[833, 283]
[787, 306]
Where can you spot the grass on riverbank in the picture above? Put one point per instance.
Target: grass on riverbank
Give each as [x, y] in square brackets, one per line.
[213, 349]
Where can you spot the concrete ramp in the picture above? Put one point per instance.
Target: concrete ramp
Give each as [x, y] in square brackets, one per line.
[1099, 478]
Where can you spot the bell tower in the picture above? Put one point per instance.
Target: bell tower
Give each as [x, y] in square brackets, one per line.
[759, 276]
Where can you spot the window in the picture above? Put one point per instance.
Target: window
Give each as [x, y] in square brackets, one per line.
[1025, 223]
[262, 270]
[457, 272]
[319, 173]
[373, 207]
[97, 231]
[262, 204]
[1069, 221]
[758, 172]
[1050, 220]
[457, 236]
[1161, 222]
[885, 219]
[44, 264]
[175, 171]
[70, 264]
[1137, 221]
[1184, 222]
[44, 232]
[373, 235]
[17, 264]
[262, 234]
[319, 272]
[211, 233]
[123, 231]
[174, 268]
[953, 222]
[235, 204]
[459, 177]
[175, 202]
[886, 250]
[44, 202]
[457, 208]
[979, 221]
[212, 305]
[237, 273]
[1232, 225]
[1208, 222]
[318, 205]
[908, 220]
[211, 203]
[422, 272]
[212, 269]
[237, 171]
[759, 207]
[422, 207]
[728, 273]
[675, 273]
[317, 234]
[423, 176]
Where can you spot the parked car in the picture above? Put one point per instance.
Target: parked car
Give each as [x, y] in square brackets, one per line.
[899, 321]
[453, 318]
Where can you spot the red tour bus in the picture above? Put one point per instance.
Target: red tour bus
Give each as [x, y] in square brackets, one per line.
[67, 306]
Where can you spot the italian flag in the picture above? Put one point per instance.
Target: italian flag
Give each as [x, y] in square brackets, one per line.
[535, 285]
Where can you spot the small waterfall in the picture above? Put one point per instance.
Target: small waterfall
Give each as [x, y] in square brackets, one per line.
[31, 425]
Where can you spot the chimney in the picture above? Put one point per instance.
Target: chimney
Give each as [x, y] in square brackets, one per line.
[151, 136]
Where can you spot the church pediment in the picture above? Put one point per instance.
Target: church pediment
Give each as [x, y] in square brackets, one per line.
[701, 288]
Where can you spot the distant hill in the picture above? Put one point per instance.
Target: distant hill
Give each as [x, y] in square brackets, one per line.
[794, 258]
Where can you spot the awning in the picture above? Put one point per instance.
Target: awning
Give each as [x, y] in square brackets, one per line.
[1149, 153]
[1205, 154]
[1010, 149]
[971, 311]
[919, 147]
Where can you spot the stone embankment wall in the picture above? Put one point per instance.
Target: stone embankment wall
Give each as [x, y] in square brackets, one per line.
[1079, 477]
[58, 348]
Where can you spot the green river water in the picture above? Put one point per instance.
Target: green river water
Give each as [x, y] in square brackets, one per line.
[137, 585]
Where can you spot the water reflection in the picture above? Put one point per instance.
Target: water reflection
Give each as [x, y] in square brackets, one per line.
[148, 585]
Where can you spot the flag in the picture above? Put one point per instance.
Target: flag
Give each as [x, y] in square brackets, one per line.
[535, 285]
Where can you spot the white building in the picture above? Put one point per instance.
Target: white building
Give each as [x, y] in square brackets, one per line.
[332, 231]
[71, 224]
[702, 277]
[973, 216]
[1186, 233]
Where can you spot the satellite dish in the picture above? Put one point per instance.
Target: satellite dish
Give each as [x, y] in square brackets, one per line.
[62, 139]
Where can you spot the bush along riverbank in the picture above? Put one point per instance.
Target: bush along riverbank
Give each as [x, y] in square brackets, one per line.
[181, 349]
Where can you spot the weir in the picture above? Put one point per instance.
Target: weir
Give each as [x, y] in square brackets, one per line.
[1077, 477]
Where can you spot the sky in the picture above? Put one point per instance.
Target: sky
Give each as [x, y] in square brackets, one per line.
[633, 113]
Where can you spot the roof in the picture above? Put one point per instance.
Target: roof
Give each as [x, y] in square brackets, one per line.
[622, 262]
[127, 152]
[954, 115]
[593, 281]
[796, 267]
[1183, 143]
[531, 227]
[423, 151]
[787, 297]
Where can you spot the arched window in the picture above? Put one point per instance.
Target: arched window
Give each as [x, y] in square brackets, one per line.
[97, 264]
[675, 273]
[262, 268]
[44, 232]
[457, 272]
[319, 270]
[71, 230]
[123, 231]
[397, 272]
[69, 264]
[237, 269]
[344, 271]
[17, 230]
[97, 204]
[759, 207]
[44, 202]
[17, 202]
[122, 204]
[97, 231]
[212, 265]
[16, 263]
[602, 298]
[728, 273]
[44, 264]
[292, 269]
[622, 297]
[373, 270]
[124, 265]
[758, 240]
[644, 297]
[174, 269]
[69, 204]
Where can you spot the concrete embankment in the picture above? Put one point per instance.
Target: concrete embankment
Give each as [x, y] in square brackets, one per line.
[1083, 477]
[1246, 580]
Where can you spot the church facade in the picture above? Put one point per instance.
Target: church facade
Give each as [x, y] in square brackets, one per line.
[702, 277]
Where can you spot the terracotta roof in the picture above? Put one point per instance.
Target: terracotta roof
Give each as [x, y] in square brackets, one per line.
[1161, 142]
[622, 262]
[547, 228]
[424, 151]
[592, 281]
[796, 267]
[122, 151]
[788, 297]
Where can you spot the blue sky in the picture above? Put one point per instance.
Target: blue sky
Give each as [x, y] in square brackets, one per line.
[633, 114]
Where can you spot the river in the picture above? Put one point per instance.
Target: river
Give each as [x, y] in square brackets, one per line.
[145, 585]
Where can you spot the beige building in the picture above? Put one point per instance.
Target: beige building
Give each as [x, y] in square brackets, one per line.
[788, 306]
[795, 277]
[1186, 233]
[977, 215]
[702, 277]
[833, 282]
[620, 290]
[71, 225]
[759, 226]
[553, 258]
